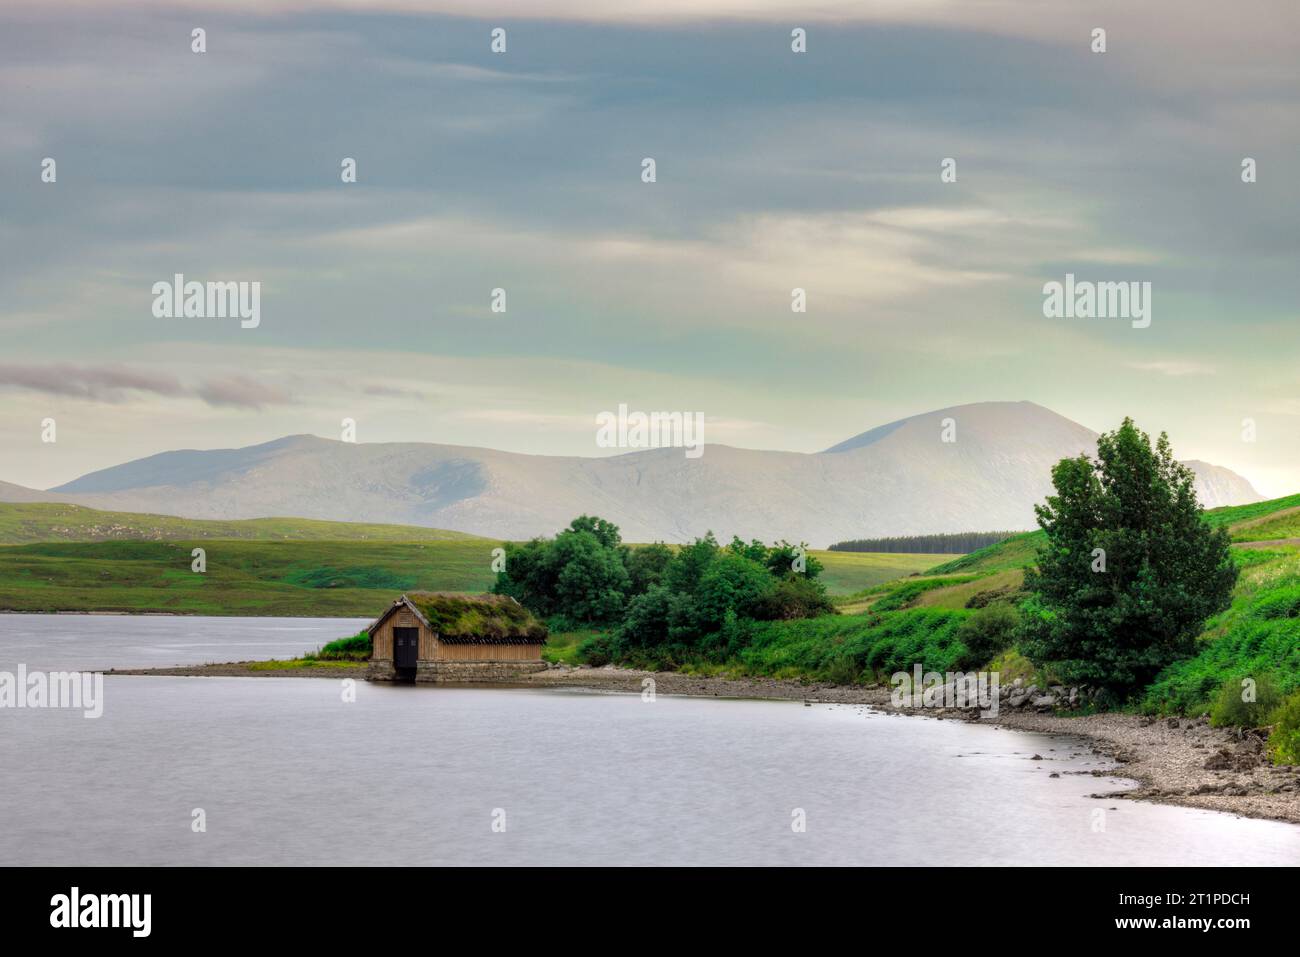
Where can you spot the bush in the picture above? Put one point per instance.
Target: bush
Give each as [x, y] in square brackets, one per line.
[1284, 742]
[1283, 602]
[795, 597]
[353, 648]
[1230, 710]
[988, 632]
[597, 651]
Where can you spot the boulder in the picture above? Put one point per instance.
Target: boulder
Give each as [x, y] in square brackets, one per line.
[1221, 760]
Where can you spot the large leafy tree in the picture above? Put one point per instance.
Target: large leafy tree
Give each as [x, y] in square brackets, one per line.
[1130, 572]
[579, 574]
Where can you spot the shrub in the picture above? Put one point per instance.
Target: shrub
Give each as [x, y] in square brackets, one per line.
[646, 566]
[795, 597]
[1284, 742]
[988, 632]
[597, 651]
[1283, 602]
[353, 648]
[1007, 594]
[1231, 710]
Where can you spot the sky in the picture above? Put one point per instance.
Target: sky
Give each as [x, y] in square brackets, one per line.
[522, 171]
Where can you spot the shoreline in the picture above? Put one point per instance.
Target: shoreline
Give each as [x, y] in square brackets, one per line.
[1177, 761]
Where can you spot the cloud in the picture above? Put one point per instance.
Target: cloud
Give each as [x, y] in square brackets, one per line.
[1173, 367]
[100, 384]
[392, 392]
[240, 392]
[115, 384]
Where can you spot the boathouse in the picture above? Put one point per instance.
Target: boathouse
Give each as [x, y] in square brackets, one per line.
[449, 637]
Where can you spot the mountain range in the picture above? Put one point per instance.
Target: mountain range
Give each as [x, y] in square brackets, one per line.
[902, 478]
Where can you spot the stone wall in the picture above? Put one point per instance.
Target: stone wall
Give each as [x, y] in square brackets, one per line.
[456, 672]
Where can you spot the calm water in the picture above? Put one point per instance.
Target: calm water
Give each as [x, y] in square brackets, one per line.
[288, 773]
[155, 641]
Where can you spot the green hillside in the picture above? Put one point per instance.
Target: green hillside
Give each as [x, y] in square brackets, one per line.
[46, 522]
[242, 578]
[69, 558]
[849, 572]
[1277, 518]
[1258, 635]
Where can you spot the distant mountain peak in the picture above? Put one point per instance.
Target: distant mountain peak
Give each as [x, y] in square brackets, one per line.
[1016, 415]
[896, 479]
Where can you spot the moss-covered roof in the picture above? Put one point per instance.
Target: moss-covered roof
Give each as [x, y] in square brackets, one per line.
[458, 618]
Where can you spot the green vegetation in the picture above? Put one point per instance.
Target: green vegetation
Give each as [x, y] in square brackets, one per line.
[854, 648]
[88, 560]
[1258, 636]
[661, 606]
[955, 543]
[1019, 551]
[1284, 741]
[307, 661]
[1285, 525]
[490, 616]
[962, 614]
[1241, 516]
[989, 632]
[564, 647]
[846, 573]
[1245, 703]
[910, 592]
[242, 578]
[1130, 572]
[353, 648]
[26, 523]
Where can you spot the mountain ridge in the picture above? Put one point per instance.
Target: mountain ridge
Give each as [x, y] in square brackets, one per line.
[901, 478]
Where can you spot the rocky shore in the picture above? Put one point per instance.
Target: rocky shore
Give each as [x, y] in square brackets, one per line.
[1179, 761]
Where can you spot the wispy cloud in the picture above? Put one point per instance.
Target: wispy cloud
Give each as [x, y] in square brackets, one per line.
[1173, 367]
[99, 384]
[116, 384]
[240, 392]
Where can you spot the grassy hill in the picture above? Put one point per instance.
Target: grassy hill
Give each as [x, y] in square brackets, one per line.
[69, 558]
[1258, 634]
[243, 578]
[46, 522]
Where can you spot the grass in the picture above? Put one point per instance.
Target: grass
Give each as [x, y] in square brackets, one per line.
[850, 572]
[307, 661]
[1237, 514]
[353, 648]
[1285, 524]
[957, 595]
[912, 591]
[853, 648]
[1257, 636]
[563, 646]
[318, 579]
[1016, 552]
[26, 523]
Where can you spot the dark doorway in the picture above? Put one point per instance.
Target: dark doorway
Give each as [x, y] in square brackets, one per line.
[406, 647]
